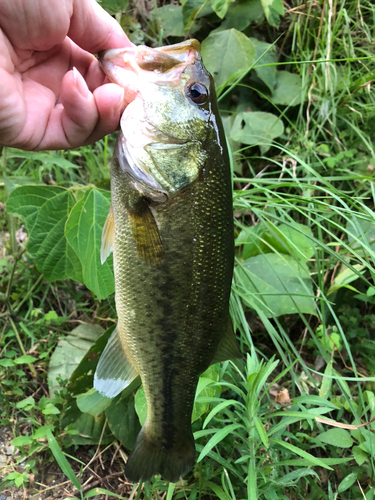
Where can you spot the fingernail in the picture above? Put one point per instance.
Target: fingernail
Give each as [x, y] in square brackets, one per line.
[80, 83]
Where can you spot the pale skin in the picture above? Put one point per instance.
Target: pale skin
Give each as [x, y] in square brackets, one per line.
[53, 93]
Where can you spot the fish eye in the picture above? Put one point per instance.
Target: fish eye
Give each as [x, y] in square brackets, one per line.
[197, 93]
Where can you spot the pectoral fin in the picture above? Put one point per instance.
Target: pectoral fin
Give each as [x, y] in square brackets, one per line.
[107, 236]
[228, 347]
[145, 232]
[114, 372]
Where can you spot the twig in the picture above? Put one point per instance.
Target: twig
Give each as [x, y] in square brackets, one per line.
[342, 426]
[100, 481]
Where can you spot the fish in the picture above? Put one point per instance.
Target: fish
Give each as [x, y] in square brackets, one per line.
[170, 228]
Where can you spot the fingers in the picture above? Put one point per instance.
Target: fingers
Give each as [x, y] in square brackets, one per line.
[82, 117]
[35, 25]
[42, 24]
[37, 74]
[93, 29]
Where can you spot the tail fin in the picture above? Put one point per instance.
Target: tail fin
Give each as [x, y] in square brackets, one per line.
[150, 457]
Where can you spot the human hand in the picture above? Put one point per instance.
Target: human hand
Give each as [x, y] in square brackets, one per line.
[53, 94]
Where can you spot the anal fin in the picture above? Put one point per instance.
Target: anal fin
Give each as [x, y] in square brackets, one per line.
[145, 232]
[114, 372]
[228, 347]
[107, 236]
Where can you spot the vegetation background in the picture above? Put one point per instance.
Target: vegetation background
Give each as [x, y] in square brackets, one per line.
[294, 420]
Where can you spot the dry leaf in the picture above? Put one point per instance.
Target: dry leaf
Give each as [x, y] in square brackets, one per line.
[282, 397]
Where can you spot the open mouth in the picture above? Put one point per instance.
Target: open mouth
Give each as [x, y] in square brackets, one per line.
[163, 63]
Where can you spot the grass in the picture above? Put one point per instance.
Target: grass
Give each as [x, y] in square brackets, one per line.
[304, 212]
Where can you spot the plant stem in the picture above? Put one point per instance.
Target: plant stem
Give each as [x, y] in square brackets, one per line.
[32, 369]
[252, 475]
[29, 293]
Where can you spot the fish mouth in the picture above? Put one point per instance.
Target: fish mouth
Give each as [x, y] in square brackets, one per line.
[123, 66]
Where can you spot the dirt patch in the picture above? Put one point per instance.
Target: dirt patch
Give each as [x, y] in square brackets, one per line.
[103, 470]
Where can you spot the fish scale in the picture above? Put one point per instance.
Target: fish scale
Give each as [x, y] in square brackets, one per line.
[173, 264]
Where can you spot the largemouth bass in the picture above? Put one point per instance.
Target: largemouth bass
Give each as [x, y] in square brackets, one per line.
[171, 230]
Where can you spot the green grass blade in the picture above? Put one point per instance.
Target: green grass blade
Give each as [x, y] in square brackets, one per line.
[62, 461]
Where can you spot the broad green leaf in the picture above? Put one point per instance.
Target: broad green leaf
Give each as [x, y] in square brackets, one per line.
[268, 73]
[275, 284]
[122, 419]
[233, 146]
[227, 55]
[26, 358]
[273, 9]
[347, 482]
[41, 432]
[15, 181]
[93, 403]
[22, 441]
[69, 352]
[240, 14]
[266, 238]
[336, 437]
[169, 19]
[84, 233]
[220, 7]
[141, 405]
[361, 235]
[50, 409]
[45, 210]
[19, 480]
[359, 455]
[256, 129]
[192, 10]
[295, 239]
[26, 402]
[344, 277]
[288, 89]
[115, 6]
[6, 362]
[84, 428]
[133, 29]
[210, 376]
